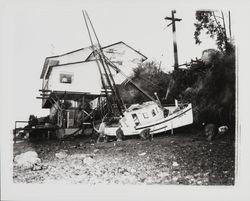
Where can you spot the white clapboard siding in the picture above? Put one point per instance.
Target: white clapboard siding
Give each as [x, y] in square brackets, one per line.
[85, 78]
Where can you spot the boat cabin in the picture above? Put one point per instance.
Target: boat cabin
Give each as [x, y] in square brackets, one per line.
[140, 114]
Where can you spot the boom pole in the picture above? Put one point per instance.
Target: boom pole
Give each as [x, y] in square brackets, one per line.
[99, 68]
[105, 65]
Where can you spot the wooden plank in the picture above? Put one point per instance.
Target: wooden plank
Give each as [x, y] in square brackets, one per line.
[44, 94]
[44, 90]
[42, 97]
[170, 18]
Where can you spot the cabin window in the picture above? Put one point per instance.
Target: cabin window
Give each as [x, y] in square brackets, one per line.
[66, 78]
[165, 112]
[136, 120]
[153, 112]
[145, 115]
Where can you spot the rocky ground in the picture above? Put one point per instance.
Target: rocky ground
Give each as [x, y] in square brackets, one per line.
[168, 159]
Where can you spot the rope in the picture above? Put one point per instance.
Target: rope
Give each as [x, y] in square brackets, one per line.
[130, 80]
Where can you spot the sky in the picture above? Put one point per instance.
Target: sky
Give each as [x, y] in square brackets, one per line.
[34, 30]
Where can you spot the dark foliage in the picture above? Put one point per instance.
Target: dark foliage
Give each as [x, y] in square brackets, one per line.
[149, 78]
[213, 93]
[213, 25]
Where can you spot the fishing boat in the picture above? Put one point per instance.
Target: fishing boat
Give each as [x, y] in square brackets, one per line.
[150, 116]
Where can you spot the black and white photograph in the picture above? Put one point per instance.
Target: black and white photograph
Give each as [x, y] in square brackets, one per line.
[112, 96]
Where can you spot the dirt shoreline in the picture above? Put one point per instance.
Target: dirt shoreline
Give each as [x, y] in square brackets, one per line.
[182, 158]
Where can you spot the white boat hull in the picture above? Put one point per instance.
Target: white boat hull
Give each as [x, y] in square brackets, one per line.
[175, 120]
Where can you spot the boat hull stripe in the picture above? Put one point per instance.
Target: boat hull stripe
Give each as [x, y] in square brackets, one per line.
[163, 121]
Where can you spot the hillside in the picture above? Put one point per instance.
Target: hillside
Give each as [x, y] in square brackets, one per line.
[208, 83]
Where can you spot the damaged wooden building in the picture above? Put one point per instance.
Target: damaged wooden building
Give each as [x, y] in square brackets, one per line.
[74, 85]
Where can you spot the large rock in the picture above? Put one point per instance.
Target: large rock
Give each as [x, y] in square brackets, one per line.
[88, 161]
[145, 134]
[222, 130]
[119, 134]
[210, 131]
[27, 160]
[61, 155]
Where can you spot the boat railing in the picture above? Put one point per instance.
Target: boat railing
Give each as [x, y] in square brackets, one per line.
[173, 105]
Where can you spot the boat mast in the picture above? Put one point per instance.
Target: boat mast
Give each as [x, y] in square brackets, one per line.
[106, 62]
[99, 68]
[134, 84]
[108, 74]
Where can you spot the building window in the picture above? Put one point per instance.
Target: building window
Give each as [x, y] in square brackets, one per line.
[66, 78]
[145, 115]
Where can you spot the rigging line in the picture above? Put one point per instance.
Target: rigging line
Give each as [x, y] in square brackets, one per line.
[99, 106]
[129, 79]
[147, 80]
[99, 68]
[93, 30]
[91, 41]
[117, 94]
[107, 77]
[113, 90]
[101, 54]
[115, 87]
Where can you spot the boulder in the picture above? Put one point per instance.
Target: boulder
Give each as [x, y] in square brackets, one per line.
[175, 164]
[222, 130]
[119, 134]
[61, 155]
[27, 160]
[88, 161]
[145, 134]
[210, 131]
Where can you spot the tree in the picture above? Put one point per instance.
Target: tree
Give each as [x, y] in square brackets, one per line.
[213, 23]
[149, 77]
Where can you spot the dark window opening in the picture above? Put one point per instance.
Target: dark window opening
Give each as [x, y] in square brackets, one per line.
[166, 112]
[153, 112]
[66, 78]
[136, 120]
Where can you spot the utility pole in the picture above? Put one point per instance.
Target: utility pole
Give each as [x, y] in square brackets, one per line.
[229, 19]
[173, 19]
